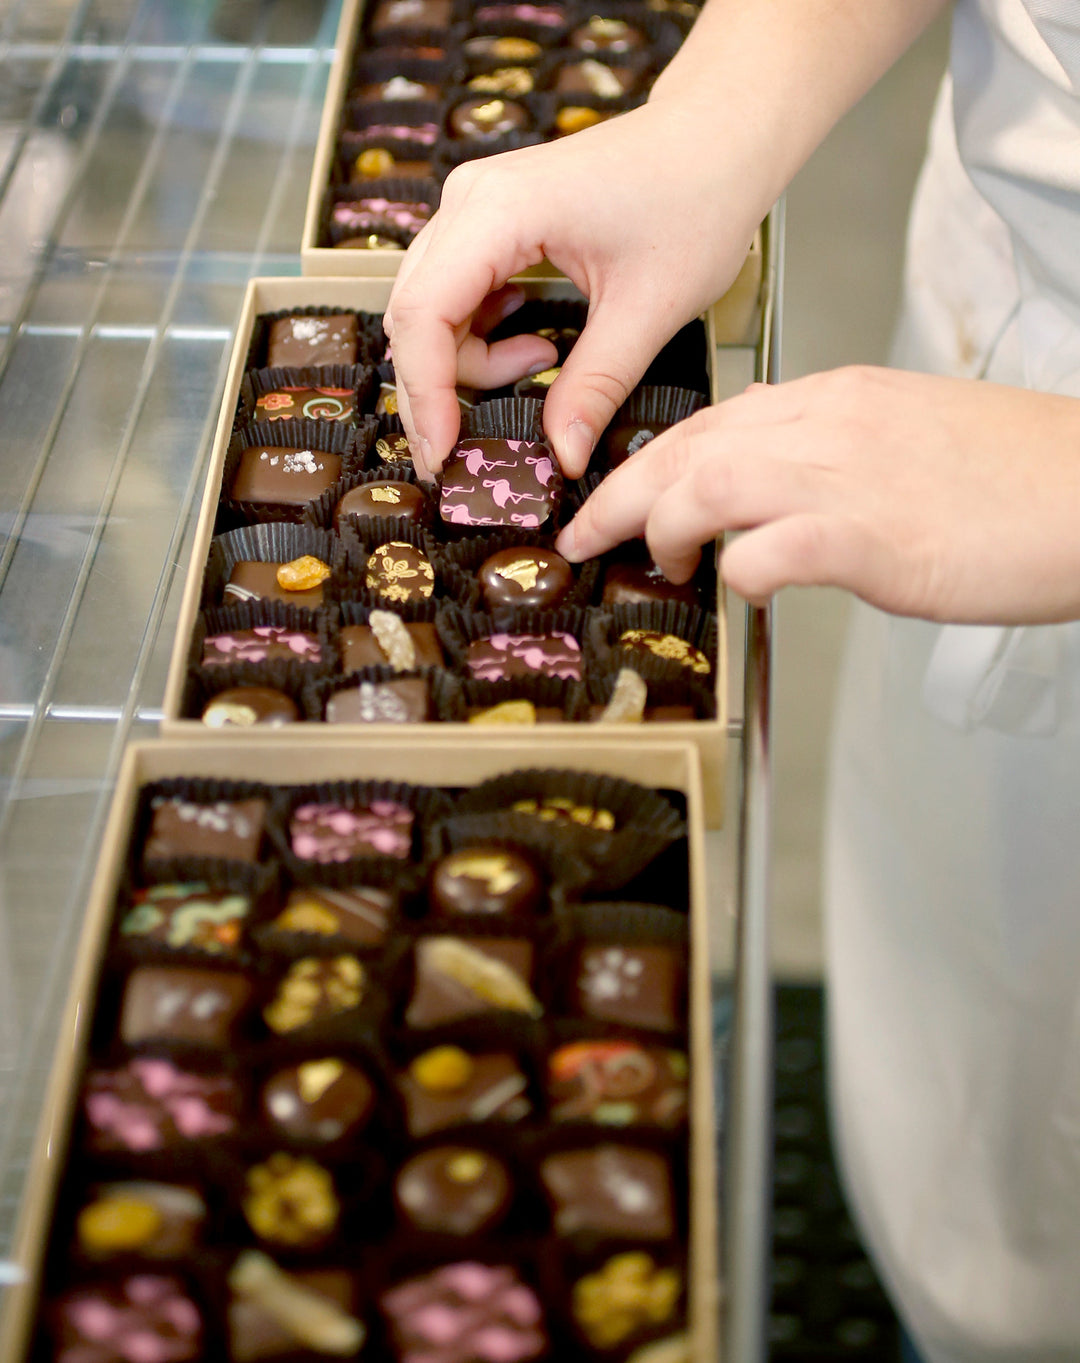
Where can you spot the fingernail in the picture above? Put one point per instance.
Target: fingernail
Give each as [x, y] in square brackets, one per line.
[540, 367]
[426, 456]
[578, 444]
[511, 301]
[566, 543]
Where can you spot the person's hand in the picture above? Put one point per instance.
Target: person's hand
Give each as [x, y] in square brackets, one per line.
[648, 228]
[948, 499]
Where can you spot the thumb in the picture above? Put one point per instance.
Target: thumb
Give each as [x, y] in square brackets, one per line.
[608, 359]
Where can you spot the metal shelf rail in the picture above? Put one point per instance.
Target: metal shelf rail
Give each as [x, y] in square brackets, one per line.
[154, 155]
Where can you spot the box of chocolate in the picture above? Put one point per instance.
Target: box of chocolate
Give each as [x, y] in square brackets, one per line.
[379, 1052]
[418, 86]
[331, 593]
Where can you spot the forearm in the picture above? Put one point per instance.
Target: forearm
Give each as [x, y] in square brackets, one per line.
[765, 80]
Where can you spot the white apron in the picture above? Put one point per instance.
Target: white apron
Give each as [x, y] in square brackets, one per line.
[953, 830]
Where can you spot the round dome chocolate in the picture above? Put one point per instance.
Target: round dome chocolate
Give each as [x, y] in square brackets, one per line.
[525, 577]
[386, 497]
[400, 571]
[485, 878]
[607, 35]
[483, 119]
[453, 1190]
[242, 707]
[317, 1100]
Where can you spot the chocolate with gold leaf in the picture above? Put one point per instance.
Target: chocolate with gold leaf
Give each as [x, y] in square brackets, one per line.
[188, 917]
[453, 1190]
[448, 1086]
[485, 879]
[525, 577]
[668, 647]
[618, 1083]
[483, 118]
[457, 977]
[399, 571]
[394, 449]
[561, 809]
[316, 989]
[291, 1201]
[383, 497]
[359, 913]
[537, 385]
[153, 1220]
[626, 1297]
[502, 48]
[318, 1100]
[504, 80]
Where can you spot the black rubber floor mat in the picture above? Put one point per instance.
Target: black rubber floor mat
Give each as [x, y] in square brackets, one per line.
[826, 1301]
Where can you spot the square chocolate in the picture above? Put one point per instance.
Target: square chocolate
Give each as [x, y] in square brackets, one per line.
[502, 656]
[447, 1086]
[154, 1220]
[360, 648]
[182, 1004]
[316, 989]
[256, 581]
[305, 342]
[617, 1082]
[332, 832]
[188, 917]
[283, 475]
[359, 913]
[307, 404]
[457, 977]
[499, 482]
[407, 701]
[263, 644]
[610, 1190]
[467, 1312]
[231, 829]
[318, 1315]
[151, 1104]
[148, 1312]
[634, 985]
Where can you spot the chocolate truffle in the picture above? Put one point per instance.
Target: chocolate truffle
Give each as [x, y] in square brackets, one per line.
[499, 482]
[317, 1100]
[607, 36]
[307, 404]
[483, 119]
[142, 1317]
[332, 832]
[537, 385]
[447, 1086]
[488, 47]
[504, 80]
[182, 1004]
[610, 1190]
[391, 702]
[637, 580]
[397, 88]
[304, 342]
[394, 449]
[418, 14]
[378, 214]
[385, 497]
[669, 647]
[634, 985]
[273, 1314]
[283, 476]
[501, 656]
[231, 829]
[590, 77]
[465, 1313]
[291, 1202]
[625, 1298]
[525, 577]
[150, 1104]
[628, 437]
[617, 1083]
[316, 989]
[453, 1190]
[457, 977]
[376, 163]
[188, 917]
[359, 647]
[153, 1220]
[399, 571]
[255, 581]
[360, 913]
[263, 644]
[242, 707]
[562, 809]
[485, 879]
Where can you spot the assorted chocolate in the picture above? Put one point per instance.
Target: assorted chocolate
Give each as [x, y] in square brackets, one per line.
[434, 82]
[393, 1089]
[341, 590]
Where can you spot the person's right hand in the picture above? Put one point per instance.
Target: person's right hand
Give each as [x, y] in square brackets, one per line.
[650, 224]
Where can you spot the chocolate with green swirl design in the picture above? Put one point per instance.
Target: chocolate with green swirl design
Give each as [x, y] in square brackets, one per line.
[188, 916]
[307, 404]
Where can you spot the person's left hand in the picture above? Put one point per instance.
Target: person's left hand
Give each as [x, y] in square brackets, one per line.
[949, 499]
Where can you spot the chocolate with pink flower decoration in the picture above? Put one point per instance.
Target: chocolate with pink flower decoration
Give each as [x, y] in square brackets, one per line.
[499, 482]
[150, 1104]
[145, 1318]
[264, 643]
[466, 1312]
[334, 832]
[501, 656]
